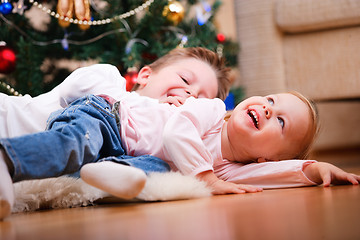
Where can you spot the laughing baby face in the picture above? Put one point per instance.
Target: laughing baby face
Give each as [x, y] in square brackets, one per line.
[273, 127]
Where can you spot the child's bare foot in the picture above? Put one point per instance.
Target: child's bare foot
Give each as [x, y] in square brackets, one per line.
[117, 179]
[6, 189]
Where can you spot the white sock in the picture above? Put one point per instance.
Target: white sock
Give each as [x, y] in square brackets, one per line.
[7, 196]
[117, 179]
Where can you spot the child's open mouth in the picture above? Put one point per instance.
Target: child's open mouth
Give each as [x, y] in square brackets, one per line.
[254, 117]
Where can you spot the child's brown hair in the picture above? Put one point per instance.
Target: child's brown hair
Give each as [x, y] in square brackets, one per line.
[215, 62]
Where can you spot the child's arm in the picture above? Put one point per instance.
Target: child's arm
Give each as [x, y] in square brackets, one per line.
[267, 175]
[326, 174]
[186, 131]
[95, 79]
[282, 174]
[185, 134]
[221, 187]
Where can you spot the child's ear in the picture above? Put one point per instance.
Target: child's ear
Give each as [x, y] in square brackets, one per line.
[143, 76]
[261, 160]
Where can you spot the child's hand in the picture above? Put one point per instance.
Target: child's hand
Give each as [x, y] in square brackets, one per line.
[176, 100]
[326, 173]
[221, 187]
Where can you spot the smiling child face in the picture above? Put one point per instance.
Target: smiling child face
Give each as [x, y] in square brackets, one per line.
[273, 127]
[185, 78]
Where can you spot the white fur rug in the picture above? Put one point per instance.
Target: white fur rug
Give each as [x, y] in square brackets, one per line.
[65, 192]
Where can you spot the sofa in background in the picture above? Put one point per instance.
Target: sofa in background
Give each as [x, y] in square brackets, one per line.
[312, 46]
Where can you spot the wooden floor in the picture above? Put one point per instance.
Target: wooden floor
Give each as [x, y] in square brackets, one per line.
[298, 213]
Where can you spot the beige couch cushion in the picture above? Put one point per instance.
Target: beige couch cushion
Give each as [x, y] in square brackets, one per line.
[324, 65]
[339, 125]
[309, 15]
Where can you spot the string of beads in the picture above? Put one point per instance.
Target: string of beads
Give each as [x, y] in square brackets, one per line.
[95, 22]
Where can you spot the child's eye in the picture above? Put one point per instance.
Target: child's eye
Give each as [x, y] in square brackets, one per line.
[185, 81]
[271, 101]
[281, 121]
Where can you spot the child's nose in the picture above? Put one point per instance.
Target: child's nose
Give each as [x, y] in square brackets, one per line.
[267, 111]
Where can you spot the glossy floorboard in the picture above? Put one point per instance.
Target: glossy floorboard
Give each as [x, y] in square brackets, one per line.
[299, 213]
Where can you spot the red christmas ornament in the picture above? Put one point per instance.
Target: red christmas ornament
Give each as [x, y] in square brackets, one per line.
[220, 38]
[131, 77]
[7, 60]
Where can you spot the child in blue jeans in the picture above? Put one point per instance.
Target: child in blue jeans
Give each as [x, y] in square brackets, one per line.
[182, 73]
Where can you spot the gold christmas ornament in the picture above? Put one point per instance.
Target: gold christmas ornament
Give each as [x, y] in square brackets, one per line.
[65, 9]
[174, 12]
[82, 12]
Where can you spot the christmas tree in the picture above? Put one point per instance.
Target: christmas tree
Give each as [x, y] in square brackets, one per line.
[126, 33]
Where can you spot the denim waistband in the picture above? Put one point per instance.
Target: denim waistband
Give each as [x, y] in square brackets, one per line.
[114, 106]
[115, 110]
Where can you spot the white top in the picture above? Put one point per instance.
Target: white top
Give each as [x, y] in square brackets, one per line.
[26, 114]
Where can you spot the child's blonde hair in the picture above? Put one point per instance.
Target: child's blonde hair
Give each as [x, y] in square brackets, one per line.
[313, 129]
[215, 62]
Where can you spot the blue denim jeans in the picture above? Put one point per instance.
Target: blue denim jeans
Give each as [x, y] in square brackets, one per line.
[86, 131]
